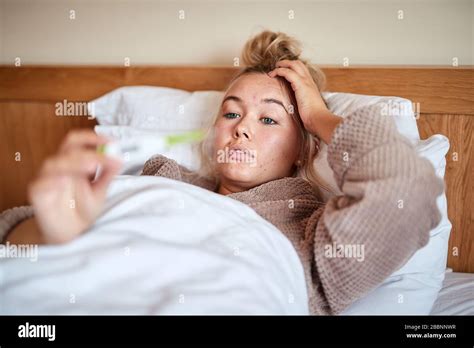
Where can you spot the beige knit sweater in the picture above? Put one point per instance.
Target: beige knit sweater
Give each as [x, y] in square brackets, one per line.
[352, 243]
[388, 208]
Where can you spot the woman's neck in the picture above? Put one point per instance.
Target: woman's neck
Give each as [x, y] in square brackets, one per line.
[226, 188]
[223, 190]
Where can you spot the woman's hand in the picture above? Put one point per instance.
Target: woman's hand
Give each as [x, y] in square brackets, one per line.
[316, 117]
[65, 200]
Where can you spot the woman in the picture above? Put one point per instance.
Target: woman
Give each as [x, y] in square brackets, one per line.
[260, 151]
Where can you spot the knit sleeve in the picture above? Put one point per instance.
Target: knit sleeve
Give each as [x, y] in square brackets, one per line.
[385, 214]
[11, 217]
[160, 165]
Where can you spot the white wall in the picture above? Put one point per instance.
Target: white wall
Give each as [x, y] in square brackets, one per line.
[213, 32]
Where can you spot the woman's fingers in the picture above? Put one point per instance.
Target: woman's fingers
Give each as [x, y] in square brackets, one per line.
[45, 189]
[296, 65]
[289, 74]
[79, 162]
[82, 138]
[108, 172]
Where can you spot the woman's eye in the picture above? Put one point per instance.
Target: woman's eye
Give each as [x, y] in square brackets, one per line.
[265, 120]
[231, 115]
[268, 120]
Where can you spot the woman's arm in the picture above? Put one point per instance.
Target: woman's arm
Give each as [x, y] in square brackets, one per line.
[389, 196]
[26, 232]
[385, 214]
[323, 124]
[312, 109]
[64, 199]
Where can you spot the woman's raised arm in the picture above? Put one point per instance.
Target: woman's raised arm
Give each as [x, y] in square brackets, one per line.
[385, 214]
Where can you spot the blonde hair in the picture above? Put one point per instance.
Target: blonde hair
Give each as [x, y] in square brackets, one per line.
[259, 55]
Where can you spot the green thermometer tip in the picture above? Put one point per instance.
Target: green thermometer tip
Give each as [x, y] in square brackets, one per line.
[101, 149]
[185, 138]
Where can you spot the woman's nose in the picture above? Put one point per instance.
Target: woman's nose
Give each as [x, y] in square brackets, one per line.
[242, 130]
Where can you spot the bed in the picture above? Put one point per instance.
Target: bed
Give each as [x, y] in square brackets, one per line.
[443, 99]
[456, 296]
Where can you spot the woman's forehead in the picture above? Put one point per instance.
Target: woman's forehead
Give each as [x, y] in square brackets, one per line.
[252, 88]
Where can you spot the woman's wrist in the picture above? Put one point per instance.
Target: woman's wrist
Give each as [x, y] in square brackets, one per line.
[323, 123]
[26, 232]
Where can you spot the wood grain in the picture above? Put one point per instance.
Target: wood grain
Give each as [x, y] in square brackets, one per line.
[30, 132]
[458, 181]
[437, 90]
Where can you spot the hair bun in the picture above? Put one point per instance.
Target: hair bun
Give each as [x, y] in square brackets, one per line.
[265, 49]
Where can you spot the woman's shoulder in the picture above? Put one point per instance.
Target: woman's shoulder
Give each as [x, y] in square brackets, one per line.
[160, 165]
[287, 188]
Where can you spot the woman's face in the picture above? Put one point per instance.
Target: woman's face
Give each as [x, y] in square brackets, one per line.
[256, 138]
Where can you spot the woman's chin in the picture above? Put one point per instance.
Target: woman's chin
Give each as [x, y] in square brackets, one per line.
[240, 172]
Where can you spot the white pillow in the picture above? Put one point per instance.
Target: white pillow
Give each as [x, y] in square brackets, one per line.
[169, 109]
[133, 111]
[184, 154]
[156, 108]
[343, 104]
[433, 257]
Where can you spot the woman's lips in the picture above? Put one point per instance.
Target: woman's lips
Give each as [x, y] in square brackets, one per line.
[241, 152]
[237, 154]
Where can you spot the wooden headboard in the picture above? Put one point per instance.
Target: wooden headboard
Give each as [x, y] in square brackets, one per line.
[30, 130]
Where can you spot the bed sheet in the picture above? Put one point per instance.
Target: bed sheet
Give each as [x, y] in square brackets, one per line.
[457, 295]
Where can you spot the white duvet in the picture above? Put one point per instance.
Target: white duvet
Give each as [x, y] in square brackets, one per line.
[161, 247]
